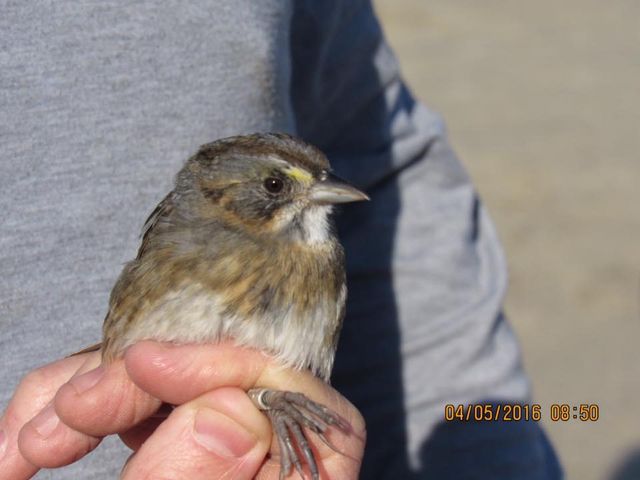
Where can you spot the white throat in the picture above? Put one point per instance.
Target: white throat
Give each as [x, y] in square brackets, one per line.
[315, 224]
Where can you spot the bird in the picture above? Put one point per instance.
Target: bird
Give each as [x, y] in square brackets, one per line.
[244, 249]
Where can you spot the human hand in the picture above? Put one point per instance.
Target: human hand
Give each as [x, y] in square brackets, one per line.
[206, 382]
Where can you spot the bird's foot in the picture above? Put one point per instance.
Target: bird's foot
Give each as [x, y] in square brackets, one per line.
[289, 412]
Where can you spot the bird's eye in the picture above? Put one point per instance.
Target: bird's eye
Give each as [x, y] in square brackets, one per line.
[273, 185]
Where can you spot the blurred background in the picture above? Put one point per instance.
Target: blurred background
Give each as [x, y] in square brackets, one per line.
[542, 102]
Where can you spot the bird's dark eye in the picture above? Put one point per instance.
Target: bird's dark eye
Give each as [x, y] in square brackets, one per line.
[273, 185]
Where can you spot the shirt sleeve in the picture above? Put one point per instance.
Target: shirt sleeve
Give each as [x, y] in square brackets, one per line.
[426, 272]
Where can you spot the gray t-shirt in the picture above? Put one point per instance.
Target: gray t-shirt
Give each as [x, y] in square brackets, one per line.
[102, 101]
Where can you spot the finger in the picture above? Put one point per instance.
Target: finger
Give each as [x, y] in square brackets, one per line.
[137, 435]
[47, 442]
[176, 373]
[35, 391]
[218, 435]
[103, 401]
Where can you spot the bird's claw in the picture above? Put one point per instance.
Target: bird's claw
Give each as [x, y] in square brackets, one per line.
[289, 412]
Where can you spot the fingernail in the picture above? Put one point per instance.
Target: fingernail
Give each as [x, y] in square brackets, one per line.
[159, 356]
[84, 382]
[221, 435]
[46, 421]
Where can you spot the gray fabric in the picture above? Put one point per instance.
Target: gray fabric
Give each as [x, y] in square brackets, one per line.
[102, 101]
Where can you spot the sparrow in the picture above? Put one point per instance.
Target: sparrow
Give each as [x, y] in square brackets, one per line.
[244, 249]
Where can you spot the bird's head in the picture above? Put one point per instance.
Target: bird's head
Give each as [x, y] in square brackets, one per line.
[265, 184]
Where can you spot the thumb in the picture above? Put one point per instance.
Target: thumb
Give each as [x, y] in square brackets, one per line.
[220, 434]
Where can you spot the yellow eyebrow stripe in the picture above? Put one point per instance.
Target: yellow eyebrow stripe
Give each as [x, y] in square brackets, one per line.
[299, 174]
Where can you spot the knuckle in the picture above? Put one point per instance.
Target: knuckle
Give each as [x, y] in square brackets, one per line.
[132, 404]
[122, 399]
[11, 419]
[33, 382]
[34, 390]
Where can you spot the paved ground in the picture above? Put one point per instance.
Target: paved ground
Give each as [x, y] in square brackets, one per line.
[542, 100]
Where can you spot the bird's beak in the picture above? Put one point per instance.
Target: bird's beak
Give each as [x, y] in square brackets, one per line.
[333, 189]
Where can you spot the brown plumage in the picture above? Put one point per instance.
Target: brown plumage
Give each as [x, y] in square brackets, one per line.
[243, 248]
[262, 282]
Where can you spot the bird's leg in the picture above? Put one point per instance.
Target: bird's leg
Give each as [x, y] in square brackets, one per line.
[289, 412]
